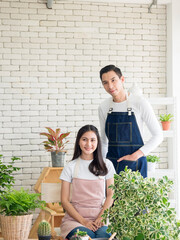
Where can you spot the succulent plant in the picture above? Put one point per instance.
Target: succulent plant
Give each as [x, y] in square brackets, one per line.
[44, 228]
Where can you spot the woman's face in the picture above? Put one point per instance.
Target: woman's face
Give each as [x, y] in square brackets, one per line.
[88, 144]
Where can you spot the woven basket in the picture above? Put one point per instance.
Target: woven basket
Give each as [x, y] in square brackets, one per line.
[16, 227]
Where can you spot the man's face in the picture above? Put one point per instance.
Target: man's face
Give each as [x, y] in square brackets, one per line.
[112, 83]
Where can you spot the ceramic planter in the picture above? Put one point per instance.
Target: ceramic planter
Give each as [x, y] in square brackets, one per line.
[166, 125]
[16, 227]
[44, 237]
[58, 159]
[151, 166]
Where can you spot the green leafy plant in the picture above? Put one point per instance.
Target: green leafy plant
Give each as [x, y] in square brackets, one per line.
[166, 117]
[141, 208]
[6, 171]
[19, 202]
[78, 235]
[44, 228]
[55, 140]
[152, 158]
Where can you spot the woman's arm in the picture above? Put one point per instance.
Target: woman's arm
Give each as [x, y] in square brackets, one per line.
[65, 194]
[108, 202]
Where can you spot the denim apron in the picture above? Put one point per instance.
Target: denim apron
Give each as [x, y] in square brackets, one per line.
[124, 138]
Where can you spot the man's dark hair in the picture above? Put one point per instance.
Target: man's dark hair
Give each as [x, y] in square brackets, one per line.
[109, 68]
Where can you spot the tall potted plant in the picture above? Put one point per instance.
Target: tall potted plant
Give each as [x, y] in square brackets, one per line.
[55, 144]
[16, 208]
[141, 209]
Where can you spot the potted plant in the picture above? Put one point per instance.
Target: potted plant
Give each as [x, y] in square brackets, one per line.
[15, 213]
[166, 120]
[80, 235]
[6, 171]
[141, 208]
[151, 162]
[44, 230]
[55, 144]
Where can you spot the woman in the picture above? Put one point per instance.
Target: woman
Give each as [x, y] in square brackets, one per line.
[90, 177]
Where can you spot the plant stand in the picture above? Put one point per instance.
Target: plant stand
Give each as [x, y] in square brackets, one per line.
[53, 213]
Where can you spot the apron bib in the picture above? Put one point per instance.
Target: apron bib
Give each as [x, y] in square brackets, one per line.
[124, 138]
[87, 199]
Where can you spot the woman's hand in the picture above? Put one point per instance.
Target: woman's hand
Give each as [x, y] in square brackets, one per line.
[91, 225]
[99, 222]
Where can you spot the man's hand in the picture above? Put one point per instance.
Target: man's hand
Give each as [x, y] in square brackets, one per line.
[132, 157]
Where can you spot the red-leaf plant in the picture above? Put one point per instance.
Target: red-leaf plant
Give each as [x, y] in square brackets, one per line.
[55, 140]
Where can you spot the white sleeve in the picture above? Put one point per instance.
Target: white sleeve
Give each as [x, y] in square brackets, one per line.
[148, 116]
[66, 174]
[111, 170]
[104, 140]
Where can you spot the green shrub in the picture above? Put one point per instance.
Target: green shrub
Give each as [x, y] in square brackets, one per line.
[19, 202]
[141, 208]
[6, 171]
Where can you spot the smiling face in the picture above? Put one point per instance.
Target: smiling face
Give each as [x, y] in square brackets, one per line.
[88, 144]
[114, 85]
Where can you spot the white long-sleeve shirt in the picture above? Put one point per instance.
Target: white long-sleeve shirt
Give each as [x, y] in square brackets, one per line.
[144, 114]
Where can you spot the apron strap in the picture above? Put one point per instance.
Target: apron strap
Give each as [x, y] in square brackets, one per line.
[129, 106]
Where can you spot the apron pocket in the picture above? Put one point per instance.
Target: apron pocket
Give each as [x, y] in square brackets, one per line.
[119, 132]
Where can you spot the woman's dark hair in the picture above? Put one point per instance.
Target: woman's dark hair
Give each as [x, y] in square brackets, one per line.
[109, 68]
[97, 166]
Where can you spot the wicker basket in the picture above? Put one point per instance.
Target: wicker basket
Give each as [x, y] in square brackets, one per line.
[16, 227]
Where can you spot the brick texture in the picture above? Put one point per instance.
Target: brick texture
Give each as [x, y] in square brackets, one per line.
[50, 61]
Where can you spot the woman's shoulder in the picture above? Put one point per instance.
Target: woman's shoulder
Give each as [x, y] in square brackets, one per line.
[110, 167]
[108, 163]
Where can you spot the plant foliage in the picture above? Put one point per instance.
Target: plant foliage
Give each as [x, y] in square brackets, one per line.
[19, 202]
[6, 171]
[55, 140]
[153, 158]
[141, 209]
[166, 117]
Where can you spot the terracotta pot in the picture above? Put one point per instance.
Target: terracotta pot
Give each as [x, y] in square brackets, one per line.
[166, 125]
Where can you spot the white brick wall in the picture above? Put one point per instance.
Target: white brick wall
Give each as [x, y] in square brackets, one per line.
[50, 61]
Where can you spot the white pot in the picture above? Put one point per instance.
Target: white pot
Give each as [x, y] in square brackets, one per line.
[85, 238]
[151, 166]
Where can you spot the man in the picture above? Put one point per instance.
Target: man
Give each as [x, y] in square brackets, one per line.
[121, 120]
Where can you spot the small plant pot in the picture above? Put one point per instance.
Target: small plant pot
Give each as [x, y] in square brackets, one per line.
[44, 237]
[151, 166]
[166, 125]
[58, 159]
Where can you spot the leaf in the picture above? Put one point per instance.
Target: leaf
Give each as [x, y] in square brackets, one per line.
[140, 236]
[51, 131]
